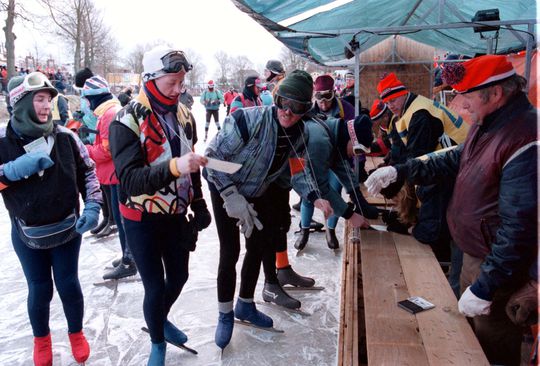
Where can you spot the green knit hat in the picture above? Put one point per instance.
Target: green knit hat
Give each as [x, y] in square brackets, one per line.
[298, 85]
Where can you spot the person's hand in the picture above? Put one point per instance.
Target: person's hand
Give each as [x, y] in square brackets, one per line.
[471, 305]
[27, 165]
[239, 208]
[202, 216]
[190, 163]
[357, 220]
[89, 217]
[381, 178]
[324, 206]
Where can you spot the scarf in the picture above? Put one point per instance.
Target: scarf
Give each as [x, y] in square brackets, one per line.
[25, 121]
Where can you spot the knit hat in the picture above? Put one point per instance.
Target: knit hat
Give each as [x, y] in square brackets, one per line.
[81, 76]
[324, 83]
[390, 88]
[20, 86]
[298, 86]
[253, 80]
[275, 66]
[478, 73]
[377, 109]
[162, 60]
[94, 86]
[357, 130]
[211, 83]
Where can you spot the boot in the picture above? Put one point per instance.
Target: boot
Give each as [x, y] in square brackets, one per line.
[331, 239]
[247, 311]
[43, 351]
[157, 354]
[224, 329]
[302, 240]
[173, 334]
[287, 276]
[107, 230]
[79, 346]
[121, 271]
[315, 225]
[273, 292]
[100, 227]
[116, 262]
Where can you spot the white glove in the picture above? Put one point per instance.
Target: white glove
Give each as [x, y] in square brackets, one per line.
[471, 305]
[381, 178]
[239, 208]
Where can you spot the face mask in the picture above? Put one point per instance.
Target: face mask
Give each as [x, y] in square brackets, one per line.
[89, 118]
[85, 107]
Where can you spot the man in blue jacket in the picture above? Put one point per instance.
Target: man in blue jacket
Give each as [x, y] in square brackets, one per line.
[492, 214]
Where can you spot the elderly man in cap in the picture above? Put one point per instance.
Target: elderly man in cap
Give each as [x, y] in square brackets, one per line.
[492, 214]
[266, 141]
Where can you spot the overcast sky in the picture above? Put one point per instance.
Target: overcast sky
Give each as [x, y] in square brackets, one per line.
[205, 26]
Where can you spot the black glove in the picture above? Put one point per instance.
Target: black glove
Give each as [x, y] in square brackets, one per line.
[191, 234]
[202, 216]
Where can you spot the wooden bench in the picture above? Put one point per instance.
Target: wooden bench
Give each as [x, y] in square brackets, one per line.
[391, 268]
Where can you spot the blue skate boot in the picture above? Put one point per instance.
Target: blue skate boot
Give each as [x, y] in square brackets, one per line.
[247, 312]
[224, 329]
[157, 354]
[174, 335]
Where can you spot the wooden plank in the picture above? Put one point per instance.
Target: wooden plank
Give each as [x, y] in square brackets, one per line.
[448, 338]
[387, 326]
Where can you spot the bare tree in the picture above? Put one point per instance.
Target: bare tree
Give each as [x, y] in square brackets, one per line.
[13, 10]
[196, 75]
[241, 67]
[292, 61]
[224, 62]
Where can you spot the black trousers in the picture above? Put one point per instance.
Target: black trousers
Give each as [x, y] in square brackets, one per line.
[162, 258]
[260, 246]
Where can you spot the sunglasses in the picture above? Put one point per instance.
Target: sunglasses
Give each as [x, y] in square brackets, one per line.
[174, 62]
[324, 96]
[295, 106]
[33, 81]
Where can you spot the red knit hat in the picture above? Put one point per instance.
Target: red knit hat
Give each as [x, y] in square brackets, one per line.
[211, 83]
[377, 109]
[324, 83]
[478, 73]
[390, 87]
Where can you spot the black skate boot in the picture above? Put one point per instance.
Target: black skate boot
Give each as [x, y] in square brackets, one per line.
[273, 292]
[121, 271]
[100, 227]
[115, 263]
[302, 240]
[297, 206]
[331, 239]
[108, 229]
[287, 276]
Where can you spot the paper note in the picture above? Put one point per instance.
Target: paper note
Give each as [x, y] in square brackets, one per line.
[223, 166]
[378, 227]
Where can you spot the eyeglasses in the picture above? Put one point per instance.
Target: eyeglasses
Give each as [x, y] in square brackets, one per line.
[174, 62]
[295, 106]
[324, 96]
[33, 81]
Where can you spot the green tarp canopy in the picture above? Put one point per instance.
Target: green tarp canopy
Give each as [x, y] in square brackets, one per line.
[323, 34]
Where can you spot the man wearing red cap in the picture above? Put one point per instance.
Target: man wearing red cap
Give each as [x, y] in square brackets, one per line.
[492, 214]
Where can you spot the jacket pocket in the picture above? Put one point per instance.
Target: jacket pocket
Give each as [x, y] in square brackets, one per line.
[488, 228]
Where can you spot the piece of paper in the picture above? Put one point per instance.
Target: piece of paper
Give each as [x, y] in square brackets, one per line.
[40, 145]
[223, 166]
[378, 227]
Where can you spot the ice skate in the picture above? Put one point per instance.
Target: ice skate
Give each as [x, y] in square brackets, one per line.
[331, 239]
[247, 314]
[273, 293]
[301, 242]
[181, 346]
[224, 329]
[287, 276]
[121, 271]
[157, 354]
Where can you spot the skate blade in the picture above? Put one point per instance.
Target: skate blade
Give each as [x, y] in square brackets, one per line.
[248, 324]
[279, 307]
[113, 282]
[299, 288]
[181, 346]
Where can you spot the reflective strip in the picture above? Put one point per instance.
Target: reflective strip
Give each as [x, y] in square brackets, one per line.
[520, 151]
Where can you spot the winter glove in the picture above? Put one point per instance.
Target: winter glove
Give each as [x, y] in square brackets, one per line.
[362, 206]
[27, 165]
[89, 217]
[523, 304]
[202, 216]
[380, 179]
[471, 305]
[191, 234]
[238, 208]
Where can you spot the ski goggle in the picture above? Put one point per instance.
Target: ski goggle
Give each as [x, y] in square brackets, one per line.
[295, 106]
[174, 62]
[33, 81]
[324, 96]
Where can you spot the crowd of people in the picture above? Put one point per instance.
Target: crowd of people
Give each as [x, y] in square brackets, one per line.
[468, 191]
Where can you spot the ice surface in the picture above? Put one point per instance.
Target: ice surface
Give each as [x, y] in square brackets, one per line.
[113, 316]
